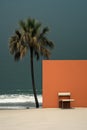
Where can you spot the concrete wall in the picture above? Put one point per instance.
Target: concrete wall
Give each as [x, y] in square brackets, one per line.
[64, 76]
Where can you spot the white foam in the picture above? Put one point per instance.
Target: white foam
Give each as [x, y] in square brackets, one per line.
[15, 98]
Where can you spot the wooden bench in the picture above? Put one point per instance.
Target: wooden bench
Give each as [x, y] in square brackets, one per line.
[64, 99]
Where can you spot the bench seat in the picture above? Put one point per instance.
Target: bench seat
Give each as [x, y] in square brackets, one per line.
[66, 100]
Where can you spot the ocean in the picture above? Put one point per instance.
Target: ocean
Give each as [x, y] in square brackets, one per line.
[19, 99]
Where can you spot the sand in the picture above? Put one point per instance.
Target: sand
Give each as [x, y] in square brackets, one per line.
[44, 119]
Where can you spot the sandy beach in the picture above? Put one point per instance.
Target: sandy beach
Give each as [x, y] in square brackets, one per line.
[44, 119]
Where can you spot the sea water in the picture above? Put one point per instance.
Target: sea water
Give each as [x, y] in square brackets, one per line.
[19, 99]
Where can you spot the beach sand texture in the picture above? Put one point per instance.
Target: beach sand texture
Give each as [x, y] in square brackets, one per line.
[44, 119]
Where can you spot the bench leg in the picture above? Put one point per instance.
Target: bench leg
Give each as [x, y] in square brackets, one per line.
[66, 104]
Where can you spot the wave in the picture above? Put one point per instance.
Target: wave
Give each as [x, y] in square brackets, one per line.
[18, 101]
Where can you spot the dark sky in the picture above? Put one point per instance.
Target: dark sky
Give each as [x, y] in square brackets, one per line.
[67, 20]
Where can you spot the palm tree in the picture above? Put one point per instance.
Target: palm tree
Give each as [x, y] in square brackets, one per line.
[30, 37]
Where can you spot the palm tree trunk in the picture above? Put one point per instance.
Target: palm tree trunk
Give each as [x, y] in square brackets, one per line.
[32, 76]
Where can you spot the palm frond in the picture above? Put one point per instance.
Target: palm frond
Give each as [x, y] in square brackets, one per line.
[43, 33]
[45, 30]
[47, 43]
[30, 24]
[23, 52]
[13, 39]
[37, 55]
[36, 46]
[45, 52]
[17, 56]
[50, 44]
[36, 29]
[23, 25]
[18, 33]
[13, 47]
[11, 50]
[14, 44]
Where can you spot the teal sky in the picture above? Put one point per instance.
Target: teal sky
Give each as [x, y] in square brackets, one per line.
[67, 20]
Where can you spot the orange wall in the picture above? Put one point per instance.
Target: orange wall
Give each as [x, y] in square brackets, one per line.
[64, 76]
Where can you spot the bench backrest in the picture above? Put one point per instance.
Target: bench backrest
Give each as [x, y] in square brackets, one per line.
[64, 94]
